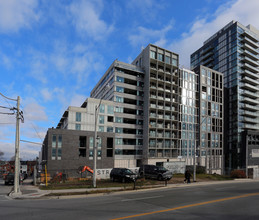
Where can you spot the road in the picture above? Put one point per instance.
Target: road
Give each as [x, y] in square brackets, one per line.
[218, 201]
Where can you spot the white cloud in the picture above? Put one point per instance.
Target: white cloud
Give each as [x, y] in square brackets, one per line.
[16, 14]
[34, 112]
[77, 100]
[86, 16]
[145, 36]
[47, 95]
[246, 12]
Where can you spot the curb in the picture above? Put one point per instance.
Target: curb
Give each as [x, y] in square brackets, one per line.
[47, 194]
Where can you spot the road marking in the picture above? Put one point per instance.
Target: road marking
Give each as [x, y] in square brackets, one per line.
[126, 200]
[188, 206]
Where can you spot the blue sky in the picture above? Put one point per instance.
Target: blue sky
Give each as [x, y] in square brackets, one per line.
[52, 53]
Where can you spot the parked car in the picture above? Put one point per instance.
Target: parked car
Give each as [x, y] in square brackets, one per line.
[155, 172]
[122, 175]
[9, 179]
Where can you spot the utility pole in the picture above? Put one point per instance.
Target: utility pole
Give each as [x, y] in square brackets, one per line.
[17, 150]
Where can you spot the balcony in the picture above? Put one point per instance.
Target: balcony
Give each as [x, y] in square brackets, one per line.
[250, 61]
[250, 74]
[250, 55]
[252, 127]
[160, 135]
[152, 115]
[250, 81]
[167, 108]
[251, 42]
[160, 116]
[249, 107]
[249, 87]
[153, 125]
[249, 101]
[251, 49]
[250, 36]
[250, 120]
[167, 117]
[160, 125]
[250, 68]
[250, 114]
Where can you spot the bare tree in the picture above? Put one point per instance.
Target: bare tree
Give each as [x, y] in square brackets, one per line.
[1, 155]
[12, 158]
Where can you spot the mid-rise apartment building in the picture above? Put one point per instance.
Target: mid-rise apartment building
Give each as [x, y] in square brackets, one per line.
[148, 112]
[201, 118]
[234, 51]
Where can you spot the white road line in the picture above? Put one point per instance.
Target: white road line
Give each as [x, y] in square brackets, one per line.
[153, 197]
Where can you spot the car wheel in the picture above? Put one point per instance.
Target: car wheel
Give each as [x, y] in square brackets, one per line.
[113, 180]
[6, 183]
[141, 175]
[123, 180]
[160, 177]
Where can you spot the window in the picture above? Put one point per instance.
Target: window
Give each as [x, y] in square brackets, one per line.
[119, 109]
[101, 128]
[99, 142]
[118, 130]
[78, 127]
[119, 89]
[110, 119]
[78, 116]
[91, 142]
[153, 54]
[160, 57]
[118, 119]
[59, 153]
[109, 129]
[120, 79]
[118, 141]
[102, 108]
[53, 153]
[119, 99]
[59, 141]
[167, 59]
[110, 110]
[109, 151]
[174, 62]
[54, 138]
[101, 119]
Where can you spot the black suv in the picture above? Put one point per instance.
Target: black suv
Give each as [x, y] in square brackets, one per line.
[9, 178]
[155, 172]
[123, 175]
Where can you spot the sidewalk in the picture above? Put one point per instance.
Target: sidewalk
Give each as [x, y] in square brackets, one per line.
[29, 191]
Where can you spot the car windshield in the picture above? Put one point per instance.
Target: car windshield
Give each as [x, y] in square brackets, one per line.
[162, 169]
[128, 172]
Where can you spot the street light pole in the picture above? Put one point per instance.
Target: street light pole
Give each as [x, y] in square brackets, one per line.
[17, 149]
[95, 136]
[95, 147]
[194, 160]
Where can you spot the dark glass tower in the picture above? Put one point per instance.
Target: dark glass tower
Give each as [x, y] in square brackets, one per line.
[234, 51]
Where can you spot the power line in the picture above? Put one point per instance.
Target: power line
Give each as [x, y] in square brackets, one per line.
[5, 107]
[6, 113]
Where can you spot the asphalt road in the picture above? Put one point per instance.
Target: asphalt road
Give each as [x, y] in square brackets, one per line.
[217, 201]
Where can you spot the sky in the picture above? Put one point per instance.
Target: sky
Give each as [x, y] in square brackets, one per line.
[52, 53]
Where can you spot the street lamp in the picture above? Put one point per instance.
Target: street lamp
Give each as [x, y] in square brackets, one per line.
[194, 159]
[95, 136]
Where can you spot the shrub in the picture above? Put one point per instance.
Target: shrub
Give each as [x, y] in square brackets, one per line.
[238, 174]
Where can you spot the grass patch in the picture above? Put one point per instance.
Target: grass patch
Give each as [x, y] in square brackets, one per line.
[140, 183]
